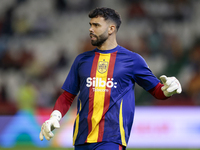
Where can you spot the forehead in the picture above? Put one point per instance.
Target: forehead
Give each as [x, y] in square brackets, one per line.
[97, 20]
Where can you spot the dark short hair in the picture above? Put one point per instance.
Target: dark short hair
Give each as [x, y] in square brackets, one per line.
[107, 14]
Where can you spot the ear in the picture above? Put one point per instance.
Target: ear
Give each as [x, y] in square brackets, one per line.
[111, 29]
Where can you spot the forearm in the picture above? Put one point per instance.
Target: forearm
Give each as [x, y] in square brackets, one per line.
[157, 92]
[64, 102]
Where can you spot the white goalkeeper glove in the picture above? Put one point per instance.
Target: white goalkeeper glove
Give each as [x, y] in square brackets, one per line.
[49, 125]
[171, 86]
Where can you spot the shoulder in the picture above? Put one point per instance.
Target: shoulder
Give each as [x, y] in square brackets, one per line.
[132, 55]
[83, 55]
[88, 53]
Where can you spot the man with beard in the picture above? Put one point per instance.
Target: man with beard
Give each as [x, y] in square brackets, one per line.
[105, 78]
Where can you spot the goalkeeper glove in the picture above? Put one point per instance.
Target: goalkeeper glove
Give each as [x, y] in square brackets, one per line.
[49, 125]
[171, 86]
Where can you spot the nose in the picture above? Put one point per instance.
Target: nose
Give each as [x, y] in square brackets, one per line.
[91, 29]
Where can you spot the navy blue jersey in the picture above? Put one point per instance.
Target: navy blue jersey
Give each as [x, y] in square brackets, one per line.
[106, 102]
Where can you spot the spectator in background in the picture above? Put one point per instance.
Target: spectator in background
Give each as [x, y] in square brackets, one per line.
[6, 107]
[63, 6]
[7, 28]
[27, 97]
[193, 88]
[21, 26]
[15, 58]
[60, 6]
[135, 10]
[182, 10]
[63, 59]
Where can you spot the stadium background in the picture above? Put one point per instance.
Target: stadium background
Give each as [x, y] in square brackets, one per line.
[39, 39]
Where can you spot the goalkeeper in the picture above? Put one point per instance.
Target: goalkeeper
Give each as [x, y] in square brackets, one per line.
[105, 78]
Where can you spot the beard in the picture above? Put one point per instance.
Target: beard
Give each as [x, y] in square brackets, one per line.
[99, 39]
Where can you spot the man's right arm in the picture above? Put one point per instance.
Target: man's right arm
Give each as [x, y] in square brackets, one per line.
[61, 107]
[64, 102]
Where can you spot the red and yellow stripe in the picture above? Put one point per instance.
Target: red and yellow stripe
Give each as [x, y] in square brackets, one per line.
[99, 97]
[121, 126]
[77, 124]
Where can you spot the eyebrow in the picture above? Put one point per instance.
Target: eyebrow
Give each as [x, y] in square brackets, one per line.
[93, 23]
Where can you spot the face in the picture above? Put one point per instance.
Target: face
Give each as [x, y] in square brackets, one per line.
[98, 31]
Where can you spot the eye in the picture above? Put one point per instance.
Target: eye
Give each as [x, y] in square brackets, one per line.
[94, 24]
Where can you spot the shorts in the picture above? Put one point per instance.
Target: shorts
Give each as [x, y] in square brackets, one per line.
[100, 146]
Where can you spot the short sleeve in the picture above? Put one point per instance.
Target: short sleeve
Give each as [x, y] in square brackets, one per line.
[143, 76]
[72, 81]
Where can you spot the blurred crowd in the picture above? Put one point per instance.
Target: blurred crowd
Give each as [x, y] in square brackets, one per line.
[40, 39]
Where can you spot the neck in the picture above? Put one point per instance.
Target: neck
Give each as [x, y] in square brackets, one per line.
[110, 43]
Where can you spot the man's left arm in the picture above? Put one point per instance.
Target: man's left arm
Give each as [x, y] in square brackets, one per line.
[169, 87]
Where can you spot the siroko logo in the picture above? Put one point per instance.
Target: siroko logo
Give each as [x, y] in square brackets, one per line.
[98, 82]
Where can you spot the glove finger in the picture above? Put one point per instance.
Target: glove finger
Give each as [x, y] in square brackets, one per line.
[46, 135]
[51, 134]
[56, 124]
[175, 85]
[170, 80]
[167, 94]
[47, 126]
[42, 132]
[163, 88]
[48, 132]
[163, 79]
[179, 90]
[172, 88]
[41, 136]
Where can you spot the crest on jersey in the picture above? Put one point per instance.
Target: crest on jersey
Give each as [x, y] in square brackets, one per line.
[102, 66]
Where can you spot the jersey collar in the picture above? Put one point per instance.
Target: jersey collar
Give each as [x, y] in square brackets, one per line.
[107, 51]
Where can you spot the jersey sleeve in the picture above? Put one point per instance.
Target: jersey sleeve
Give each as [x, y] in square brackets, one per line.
[143, 76]
[71, 83]
[157, 92]
[64, 102]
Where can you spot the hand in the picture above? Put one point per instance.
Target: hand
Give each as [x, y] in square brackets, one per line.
[171, 86]
[49, 125]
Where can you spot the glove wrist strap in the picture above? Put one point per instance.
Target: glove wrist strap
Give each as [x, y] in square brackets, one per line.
[56, 114]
